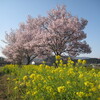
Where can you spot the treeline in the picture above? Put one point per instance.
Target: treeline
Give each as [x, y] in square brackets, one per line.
[50, 60]
[3, 61]
[93, 60]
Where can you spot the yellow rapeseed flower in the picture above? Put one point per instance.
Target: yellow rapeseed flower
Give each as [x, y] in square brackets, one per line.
[48, 67]
[50, 78]
[49, 88]
[16, 82]
[93, 89]
[32, 76]
[34, 93]
[68, 82]
[70, 71]
[88, 94]
[79, 61]
[57, 61]
[81, 76]
[86, 83]
[25, 78]
[8, 79]
[84, 62]
[44, 81]
[61, 71]
[28, 84]
[44, 62]
[41, 65]
[69, 58]
[99, 86]
[61, 89]
[72, 62]
[39, 84]
[15, 88]
[58, 57]
[39, 77]
[80, 94]
[14, 79]
[21, 84]
[28, 92]
[61, 62]
[98, 98]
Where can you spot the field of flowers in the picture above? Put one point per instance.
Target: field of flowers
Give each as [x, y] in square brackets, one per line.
[58, 82]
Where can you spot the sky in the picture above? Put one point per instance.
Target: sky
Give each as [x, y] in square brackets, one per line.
[13, 12]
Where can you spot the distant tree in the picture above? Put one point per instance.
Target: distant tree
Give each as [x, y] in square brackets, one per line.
[1, 59]
[65, 33]
[12, 50]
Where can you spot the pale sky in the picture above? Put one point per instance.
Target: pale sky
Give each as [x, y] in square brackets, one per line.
[12, 12]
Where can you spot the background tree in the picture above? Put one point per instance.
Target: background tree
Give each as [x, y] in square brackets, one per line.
[26, 42]
[13, 51]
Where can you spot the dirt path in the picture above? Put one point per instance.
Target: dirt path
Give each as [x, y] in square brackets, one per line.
[3, 86]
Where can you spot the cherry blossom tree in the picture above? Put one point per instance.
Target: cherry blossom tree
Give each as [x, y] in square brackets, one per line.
[13, 51]
[26, 42]
[65, 33]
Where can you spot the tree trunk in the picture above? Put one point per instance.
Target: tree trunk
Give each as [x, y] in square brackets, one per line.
[28, 60]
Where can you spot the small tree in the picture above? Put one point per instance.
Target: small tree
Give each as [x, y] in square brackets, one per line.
[13, 51]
